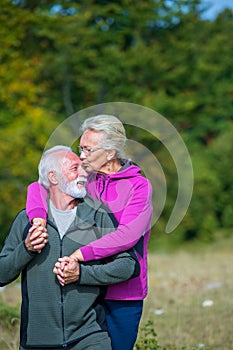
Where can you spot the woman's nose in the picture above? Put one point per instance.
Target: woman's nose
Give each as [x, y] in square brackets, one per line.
[82, 155]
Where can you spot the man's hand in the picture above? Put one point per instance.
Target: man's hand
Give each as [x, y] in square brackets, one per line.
[67, 270]
[37, 238]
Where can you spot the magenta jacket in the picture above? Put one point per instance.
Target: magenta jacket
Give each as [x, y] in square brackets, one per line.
[129, 196]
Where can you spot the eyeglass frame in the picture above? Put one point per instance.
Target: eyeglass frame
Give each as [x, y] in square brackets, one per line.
[88, 151]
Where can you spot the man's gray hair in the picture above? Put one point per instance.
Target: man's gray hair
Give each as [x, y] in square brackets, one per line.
[50, 161]
[114, 132]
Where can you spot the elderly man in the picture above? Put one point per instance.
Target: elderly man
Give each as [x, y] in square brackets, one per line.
[55, 316]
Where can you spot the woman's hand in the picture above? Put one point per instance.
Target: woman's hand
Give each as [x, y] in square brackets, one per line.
[77, 255]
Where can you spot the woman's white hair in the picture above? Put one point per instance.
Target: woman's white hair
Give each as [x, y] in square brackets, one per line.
[51, 161]
[114, 132]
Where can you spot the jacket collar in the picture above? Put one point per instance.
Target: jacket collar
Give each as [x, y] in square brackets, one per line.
[85, 213]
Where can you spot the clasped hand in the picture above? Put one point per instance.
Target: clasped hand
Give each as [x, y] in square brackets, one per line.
[37, 238]
[67, 270]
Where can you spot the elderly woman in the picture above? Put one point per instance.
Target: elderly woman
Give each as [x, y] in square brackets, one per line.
[118, 184]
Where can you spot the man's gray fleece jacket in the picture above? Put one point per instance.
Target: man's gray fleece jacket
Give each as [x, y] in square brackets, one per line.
[52, 315]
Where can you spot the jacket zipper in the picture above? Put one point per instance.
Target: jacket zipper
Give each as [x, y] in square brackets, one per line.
[61, 290]
[62, 305]
[103, 186]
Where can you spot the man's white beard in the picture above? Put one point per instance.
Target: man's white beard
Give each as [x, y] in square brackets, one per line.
[71, 188]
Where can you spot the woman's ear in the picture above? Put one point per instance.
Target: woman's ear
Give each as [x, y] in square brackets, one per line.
[52, 176]
[111, 154]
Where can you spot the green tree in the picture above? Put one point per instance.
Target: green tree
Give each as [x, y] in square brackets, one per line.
[57, 58]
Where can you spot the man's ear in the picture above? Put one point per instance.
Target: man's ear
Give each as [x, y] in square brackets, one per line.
[52, 176]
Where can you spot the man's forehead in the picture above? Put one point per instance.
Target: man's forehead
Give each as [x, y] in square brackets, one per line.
[71, 157]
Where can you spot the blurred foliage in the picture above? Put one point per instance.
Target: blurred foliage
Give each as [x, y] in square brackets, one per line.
[58, 57]
[9, 315]
[147, 338]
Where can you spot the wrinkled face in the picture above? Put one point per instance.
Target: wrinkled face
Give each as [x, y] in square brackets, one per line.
[71, 164]
[73, 178]
[93, 157]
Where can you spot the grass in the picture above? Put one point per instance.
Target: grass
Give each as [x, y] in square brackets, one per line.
[181, 284]
[174, 316]
[9, 317]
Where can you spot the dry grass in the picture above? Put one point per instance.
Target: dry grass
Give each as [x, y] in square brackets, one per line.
[179, 284]
[9, 336]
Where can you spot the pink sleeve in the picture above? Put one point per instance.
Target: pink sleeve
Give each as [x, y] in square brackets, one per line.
[135, 221]
[36, 205]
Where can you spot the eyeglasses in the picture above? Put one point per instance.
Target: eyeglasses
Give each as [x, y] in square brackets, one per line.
[88, 151]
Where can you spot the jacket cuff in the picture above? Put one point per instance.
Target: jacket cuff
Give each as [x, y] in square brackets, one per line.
[80, 274]
[37, 213]
[28, 251]
[88, 253]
